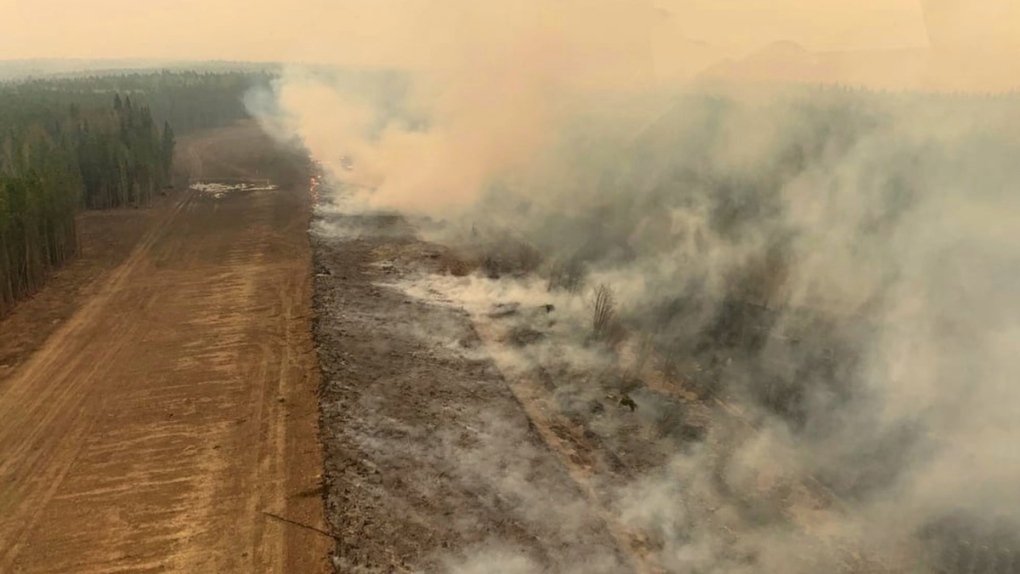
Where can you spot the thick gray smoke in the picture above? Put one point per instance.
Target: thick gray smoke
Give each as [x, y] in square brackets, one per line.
[843, 264]
[840, 263]
[845, 261]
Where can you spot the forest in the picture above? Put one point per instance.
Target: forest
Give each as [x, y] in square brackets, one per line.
[91, 143]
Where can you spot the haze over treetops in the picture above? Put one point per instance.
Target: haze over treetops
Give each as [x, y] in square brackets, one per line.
[883, 43]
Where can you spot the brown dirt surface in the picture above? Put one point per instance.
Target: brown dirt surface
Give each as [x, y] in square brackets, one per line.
[167, 418]
[106, 238]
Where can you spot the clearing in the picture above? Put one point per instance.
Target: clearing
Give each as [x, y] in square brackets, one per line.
[157, 401]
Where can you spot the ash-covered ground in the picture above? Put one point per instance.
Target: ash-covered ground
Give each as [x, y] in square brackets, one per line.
[431, 463]
[476, 420]
[771, 334]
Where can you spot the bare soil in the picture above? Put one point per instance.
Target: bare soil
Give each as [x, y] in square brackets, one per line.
[158, 410]
[107, 237]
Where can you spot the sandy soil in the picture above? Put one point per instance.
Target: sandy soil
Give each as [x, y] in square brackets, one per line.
[107, 238]
[169, 422]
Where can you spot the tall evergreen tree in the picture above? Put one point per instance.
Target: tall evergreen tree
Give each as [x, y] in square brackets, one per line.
[166, 147]
[56, 158]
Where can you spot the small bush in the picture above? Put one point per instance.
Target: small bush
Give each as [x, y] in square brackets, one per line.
[457, 267]
[603, 309]
[566, 276]
[522, 336]
[510, 256]
[605, 324]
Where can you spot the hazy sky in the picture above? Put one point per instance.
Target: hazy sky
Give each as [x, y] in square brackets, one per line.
[816, 24]
[261, 30]
[975, 44]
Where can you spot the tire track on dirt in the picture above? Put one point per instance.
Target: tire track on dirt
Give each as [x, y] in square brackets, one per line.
[153, 428]
[56, 416]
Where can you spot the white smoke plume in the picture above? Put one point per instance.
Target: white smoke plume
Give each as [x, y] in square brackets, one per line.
[874, 237]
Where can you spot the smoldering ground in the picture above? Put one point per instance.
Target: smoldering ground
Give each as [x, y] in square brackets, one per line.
[840, 265]
[844, 262]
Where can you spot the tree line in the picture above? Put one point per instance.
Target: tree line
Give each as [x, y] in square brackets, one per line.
[188, 100]
[55, 162]
[93, 142]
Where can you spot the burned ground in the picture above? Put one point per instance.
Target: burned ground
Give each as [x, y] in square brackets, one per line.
[466, 432]
[428, 454]
[439, 448]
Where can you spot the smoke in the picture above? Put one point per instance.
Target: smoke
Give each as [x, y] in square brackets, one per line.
[844, 261]
[841, 264]
[483, 91]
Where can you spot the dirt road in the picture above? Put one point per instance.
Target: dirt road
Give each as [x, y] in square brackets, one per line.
[170, 424]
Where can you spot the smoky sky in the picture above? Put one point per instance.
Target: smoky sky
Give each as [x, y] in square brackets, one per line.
[876, 225]
[965, 45]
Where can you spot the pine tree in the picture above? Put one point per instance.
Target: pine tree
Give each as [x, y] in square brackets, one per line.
[65, 146]
[167, 147]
